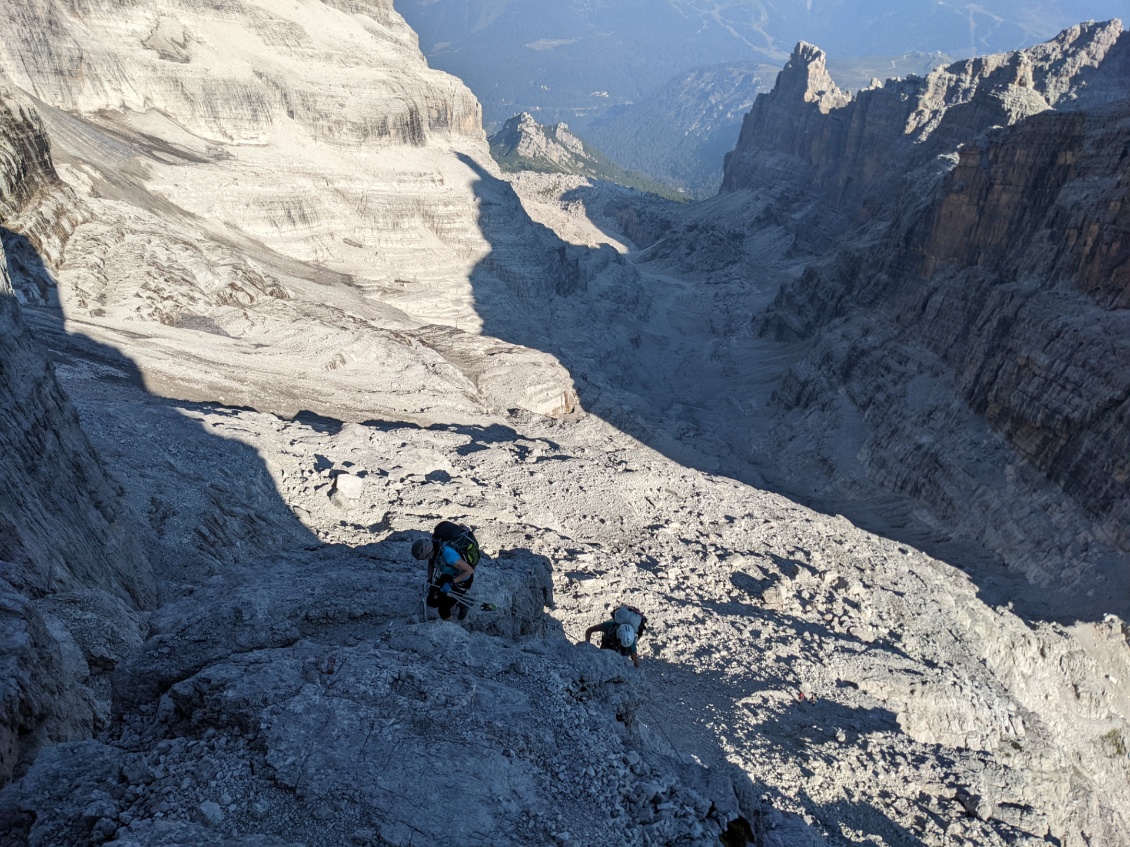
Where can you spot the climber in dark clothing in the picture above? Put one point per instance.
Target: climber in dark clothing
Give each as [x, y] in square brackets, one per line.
[451, 553]
[621, 637]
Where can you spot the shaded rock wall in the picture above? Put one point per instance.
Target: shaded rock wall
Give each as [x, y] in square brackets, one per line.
[1016, 276]
[37, 212]
[50, 468]
[1031, 219]
[62, 532]
[1045, 199]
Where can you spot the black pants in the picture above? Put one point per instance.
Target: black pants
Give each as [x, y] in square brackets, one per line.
[445, 601]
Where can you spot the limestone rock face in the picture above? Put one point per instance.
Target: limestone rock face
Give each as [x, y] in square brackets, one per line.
[297, 355]
[166, 59]
[1032, 219]
[1041, 198]
[48, 456]
[1013, 277]
[37, 211]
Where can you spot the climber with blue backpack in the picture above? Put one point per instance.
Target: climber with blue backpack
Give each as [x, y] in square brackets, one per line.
[452, 554]
[622, 632]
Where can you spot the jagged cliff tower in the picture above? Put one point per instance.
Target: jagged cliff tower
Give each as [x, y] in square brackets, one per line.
[976, 213]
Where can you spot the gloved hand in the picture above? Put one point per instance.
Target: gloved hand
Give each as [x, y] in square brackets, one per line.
[445, 588]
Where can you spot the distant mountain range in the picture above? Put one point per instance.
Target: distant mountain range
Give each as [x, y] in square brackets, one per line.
[680, 67]
[525, 145]
[679, 134]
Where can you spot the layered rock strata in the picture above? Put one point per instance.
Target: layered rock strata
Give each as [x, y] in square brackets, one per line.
[1033, 219]
[228, 73]
[206, 116]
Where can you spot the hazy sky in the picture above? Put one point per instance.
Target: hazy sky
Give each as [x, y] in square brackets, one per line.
[572, 56]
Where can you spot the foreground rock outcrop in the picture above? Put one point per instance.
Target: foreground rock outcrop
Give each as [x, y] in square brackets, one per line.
[322, 717]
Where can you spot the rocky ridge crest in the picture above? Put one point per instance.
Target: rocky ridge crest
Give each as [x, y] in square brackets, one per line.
[817, 147]
[552, 147]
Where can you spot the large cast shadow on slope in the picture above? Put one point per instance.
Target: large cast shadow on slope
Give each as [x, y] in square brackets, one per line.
[107, 389]
[517, 309]
[780, 737]
[203, 501]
